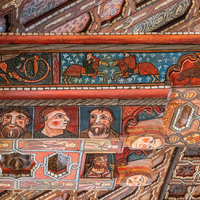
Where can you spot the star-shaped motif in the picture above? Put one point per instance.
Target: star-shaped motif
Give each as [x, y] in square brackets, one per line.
[140, 59]
[65, 55]
[112, 71]
[129, 79]
[81, 55]
[138, 55]
[159, 67]
[163, 73]
[144, 55]
[165, 66]
[159, 60]
[165, 59]
[74, 55]
[77, 60]
[69, 59]
[121, 80]
[100, 79]
[64, 67]
[148, 78]
[75, 80]
[63, 62]
[104, 55]
[109, 81]
[163, 55]
[186, 170]
[179, 54]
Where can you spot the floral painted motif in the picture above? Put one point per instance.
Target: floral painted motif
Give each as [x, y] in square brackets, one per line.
[111, 9]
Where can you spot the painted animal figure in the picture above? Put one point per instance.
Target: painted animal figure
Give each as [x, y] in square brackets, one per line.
[22, 62]
[79, 71]
[128, 66]
[189, 73]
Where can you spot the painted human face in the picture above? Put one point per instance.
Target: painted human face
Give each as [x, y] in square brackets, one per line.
[146, 143]
[127, 54]
[100, 117]
[57, 120]
[136, 180]
[89, 56]
[101, 162]
[100, 123]
[13, 125]
[15, 118]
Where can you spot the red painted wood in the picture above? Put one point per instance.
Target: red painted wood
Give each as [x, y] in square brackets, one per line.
[100, 39]
[85, 94]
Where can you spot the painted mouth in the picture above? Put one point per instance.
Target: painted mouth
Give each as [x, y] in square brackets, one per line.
[11, 126]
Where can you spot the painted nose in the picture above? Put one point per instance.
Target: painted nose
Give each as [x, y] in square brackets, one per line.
[12, 121]
[97, 119]
[67, 118]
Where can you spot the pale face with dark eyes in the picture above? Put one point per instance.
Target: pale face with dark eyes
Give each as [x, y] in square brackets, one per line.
[137, 180]
[56, 120]
[146, 143]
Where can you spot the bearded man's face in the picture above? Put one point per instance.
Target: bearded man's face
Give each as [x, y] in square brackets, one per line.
[101, 162]
[100, 122]
[13, 125]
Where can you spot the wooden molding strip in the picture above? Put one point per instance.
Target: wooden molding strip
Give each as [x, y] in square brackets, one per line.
[85, 102]
[84, 94]
[100, 39]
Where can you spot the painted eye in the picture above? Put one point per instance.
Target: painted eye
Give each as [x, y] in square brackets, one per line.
[7, 117]
[150, 147]
[19, 117]
[138, 184]
[59, 116]
[93, 117]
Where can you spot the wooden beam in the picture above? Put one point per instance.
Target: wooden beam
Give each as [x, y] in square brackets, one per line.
[84, 94]
[100, 39]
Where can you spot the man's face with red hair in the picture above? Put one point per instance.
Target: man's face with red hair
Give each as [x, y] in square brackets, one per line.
[57, 119]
